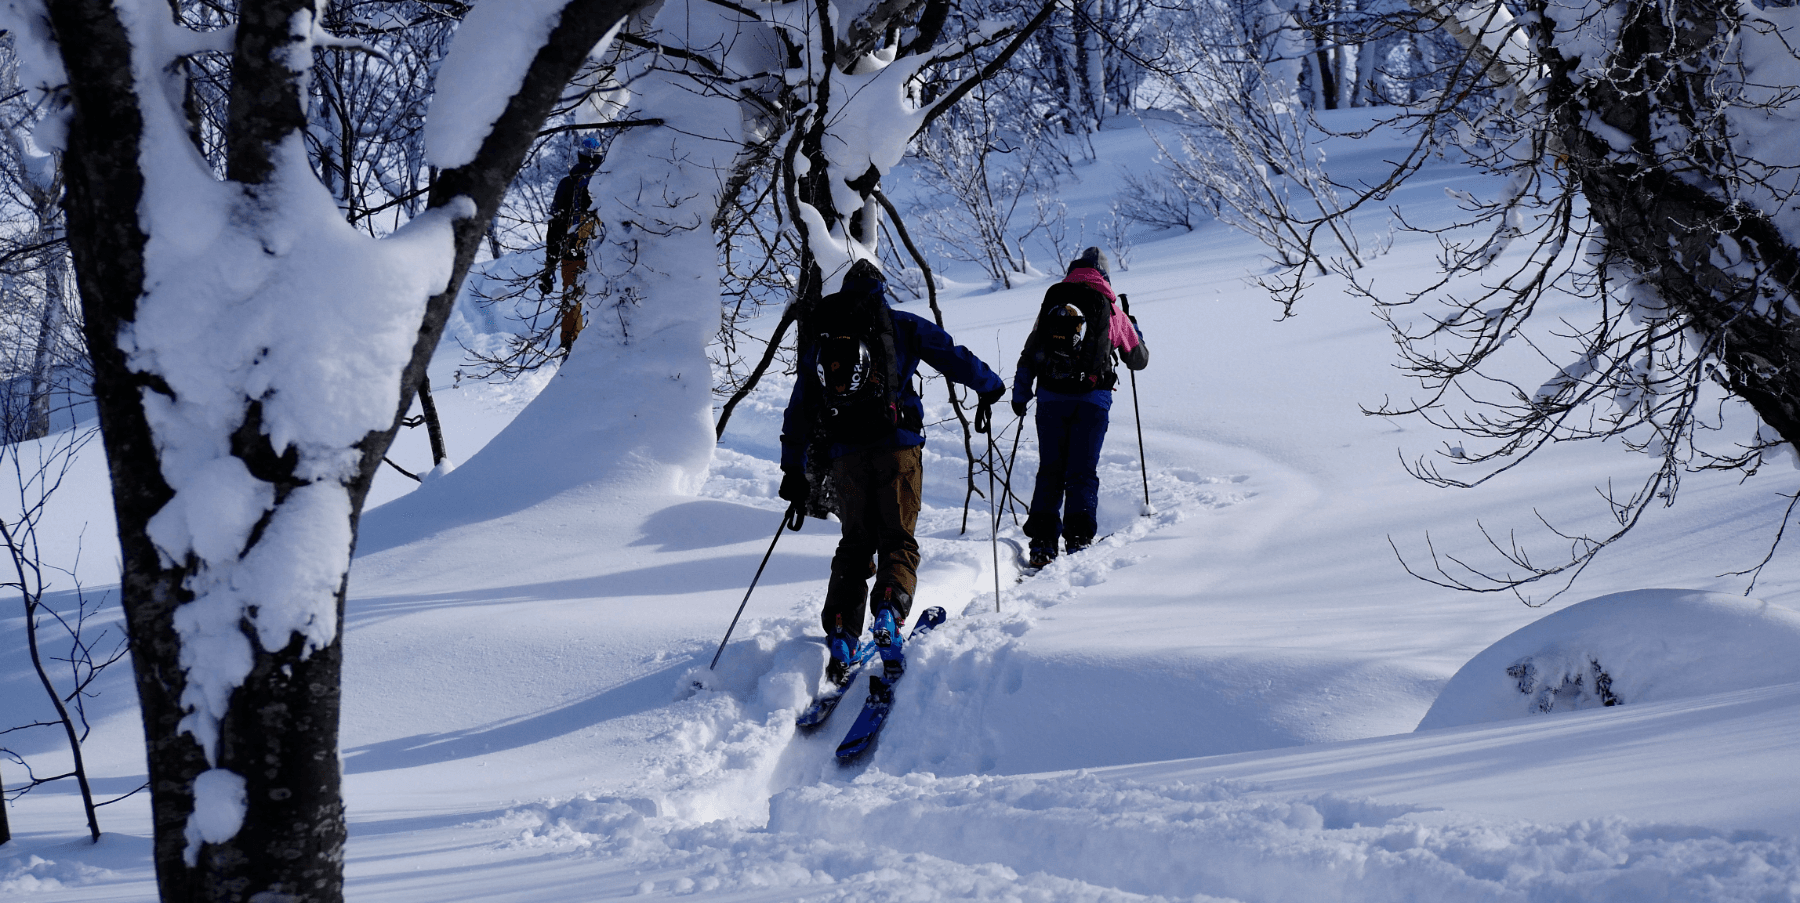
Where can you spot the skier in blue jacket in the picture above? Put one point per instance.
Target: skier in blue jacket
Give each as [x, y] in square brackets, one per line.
[853, 401]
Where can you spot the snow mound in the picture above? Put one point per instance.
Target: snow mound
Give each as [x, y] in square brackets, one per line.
[1648, 645]
[30, 873]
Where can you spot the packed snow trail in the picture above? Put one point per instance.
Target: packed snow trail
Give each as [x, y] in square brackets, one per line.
[1083, 836]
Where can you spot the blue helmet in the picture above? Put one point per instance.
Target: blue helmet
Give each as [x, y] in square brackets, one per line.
[589, 143]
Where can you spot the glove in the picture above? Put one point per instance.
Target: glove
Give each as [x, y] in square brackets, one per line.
[988, 398]
[1019, 408]
[794, 488]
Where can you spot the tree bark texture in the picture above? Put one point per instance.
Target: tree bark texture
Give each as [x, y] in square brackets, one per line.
[280, 730]
[104, 186]
[434, 430]
[1667, 206]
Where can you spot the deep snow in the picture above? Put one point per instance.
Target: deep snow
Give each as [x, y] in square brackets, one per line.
[1217, 702]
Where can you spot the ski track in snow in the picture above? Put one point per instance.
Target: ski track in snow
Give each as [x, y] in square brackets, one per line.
[772, 668]
[703, 802]
[734, 804]
[743, 807]
[1082, 837]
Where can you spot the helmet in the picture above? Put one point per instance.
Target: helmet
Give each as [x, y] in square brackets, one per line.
[844, 364]
[1065, 323]
[589, 143]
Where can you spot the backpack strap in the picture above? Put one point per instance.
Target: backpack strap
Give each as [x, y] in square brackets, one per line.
[882, 325]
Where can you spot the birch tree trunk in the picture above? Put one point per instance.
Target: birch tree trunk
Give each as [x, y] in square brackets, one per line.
[52, 321]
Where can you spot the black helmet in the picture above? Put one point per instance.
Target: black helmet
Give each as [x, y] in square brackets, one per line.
[845, 364]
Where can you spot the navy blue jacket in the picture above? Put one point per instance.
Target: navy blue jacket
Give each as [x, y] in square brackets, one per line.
[915, 339]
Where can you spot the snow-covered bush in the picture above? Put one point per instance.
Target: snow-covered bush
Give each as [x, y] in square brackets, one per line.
[991, 162]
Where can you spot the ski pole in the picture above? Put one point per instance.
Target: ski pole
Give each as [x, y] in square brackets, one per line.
[1143, 464]
[791, 520]
[993, 522]
[1006, 481]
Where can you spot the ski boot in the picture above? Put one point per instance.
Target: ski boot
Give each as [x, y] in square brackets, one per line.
[1073, 544]
[843, 652]
[887, 632]
[1041, 555]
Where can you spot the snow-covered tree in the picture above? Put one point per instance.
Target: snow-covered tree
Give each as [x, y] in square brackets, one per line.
[252, 354]
[1246, 148]
[816, 100]
[1085, 61]
[1649, 168]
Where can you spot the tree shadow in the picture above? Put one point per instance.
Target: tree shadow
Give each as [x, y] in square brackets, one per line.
[730, 572]
[22, 697]
[630, 698]
[706, 523]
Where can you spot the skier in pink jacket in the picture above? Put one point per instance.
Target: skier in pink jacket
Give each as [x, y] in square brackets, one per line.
[1068, 357]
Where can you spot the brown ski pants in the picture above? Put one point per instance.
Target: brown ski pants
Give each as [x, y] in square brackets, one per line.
[878, 499]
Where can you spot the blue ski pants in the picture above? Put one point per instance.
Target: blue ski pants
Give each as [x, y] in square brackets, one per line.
[1070, 433]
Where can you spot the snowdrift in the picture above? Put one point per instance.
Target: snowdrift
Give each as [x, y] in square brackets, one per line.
[1650, 645]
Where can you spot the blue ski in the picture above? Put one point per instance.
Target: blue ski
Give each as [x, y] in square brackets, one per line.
[881, 697]
[827, 702]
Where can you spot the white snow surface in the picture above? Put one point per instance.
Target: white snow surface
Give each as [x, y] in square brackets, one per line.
[1214, 703]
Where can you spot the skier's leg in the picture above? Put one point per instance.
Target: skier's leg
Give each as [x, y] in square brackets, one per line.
[1087, 434]
[850, 566]
[571, 319]
[1044, 525]
[899, 481]
[899, 478]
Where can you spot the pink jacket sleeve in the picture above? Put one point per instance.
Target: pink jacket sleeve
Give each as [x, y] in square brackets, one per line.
[1124, 335]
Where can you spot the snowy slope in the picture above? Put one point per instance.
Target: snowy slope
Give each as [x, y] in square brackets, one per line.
[1217, 702]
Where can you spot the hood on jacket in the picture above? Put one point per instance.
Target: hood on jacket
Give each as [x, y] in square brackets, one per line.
[866, 278]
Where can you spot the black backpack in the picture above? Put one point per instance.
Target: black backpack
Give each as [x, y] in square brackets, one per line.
[855, 370]
[1071, 348]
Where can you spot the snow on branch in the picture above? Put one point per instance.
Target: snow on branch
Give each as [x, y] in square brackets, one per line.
[1497, 41]
[993, 66]
[494, 49]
